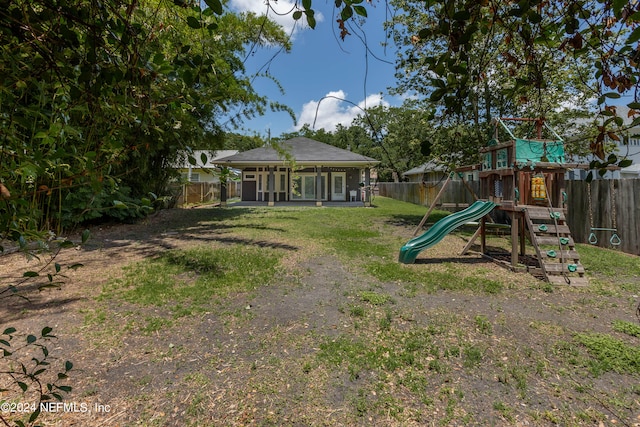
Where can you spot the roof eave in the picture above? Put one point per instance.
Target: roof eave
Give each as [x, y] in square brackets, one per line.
[249, 163]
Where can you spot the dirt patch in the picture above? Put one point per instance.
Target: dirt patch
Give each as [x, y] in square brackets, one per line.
[316, 348]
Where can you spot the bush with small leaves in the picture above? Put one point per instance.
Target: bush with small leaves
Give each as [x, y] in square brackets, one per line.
[27, 377]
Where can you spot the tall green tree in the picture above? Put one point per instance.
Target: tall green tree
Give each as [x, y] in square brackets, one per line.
[98, 98]
[306, 131]
[460, 42]
[400, 137]
[471, 75]
[209, 54]
[236, 141]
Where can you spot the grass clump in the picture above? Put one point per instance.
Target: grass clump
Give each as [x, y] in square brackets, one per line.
[628, 328]
[432, 281]
[374, 298]
[397, 352]
[611, 354]
[194, 276]
[612, 264]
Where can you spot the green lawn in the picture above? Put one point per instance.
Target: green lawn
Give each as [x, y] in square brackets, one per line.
[303, 316]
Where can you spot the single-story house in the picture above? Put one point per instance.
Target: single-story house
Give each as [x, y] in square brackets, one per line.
[203, 171]
[625, 146]
[631, 172]
[432, 171]
[302, 169]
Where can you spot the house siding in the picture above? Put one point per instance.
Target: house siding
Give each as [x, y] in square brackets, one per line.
[320, 165]
[257, 187]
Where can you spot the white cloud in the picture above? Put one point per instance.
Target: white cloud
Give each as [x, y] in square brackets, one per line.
[280, 11]
[332, 110]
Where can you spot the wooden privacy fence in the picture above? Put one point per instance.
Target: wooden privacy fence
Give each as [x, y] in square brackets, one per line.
[614, 204]
[455, 197]
[605, 204]
[205, 192]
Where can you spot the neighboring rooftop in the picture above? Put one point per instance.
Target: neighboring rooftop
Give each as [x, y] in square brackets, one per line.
[430, 166]
[212, 158]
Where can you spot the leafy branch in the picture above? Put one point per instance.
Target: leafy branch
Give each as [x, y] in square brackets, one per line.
[30, 377]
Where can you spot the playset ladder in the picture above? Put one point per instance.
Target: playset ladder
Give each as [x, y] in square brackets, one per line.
[555, 248]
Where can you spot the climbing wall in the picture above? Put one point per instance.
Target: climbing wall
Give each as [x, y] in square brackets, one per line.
[551, 237]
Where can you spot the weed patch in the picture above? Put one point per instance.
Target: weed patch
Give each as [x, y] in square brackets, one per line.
[192, 277]
[374, 298]
[632, 329]
[611, 354]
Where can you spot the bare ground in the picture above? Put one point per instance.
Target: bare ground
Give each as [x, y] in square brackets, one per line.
[253, 358]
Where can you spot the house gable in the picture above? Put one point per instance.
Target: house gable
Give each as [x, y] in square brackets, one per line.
[303, 151]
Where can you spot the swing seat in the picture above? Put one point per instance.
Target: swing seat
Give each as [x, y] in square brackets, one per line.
[615, 240]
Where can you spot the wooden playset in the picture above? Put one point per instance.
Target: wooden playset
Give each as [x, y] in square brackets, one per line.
[525, 178]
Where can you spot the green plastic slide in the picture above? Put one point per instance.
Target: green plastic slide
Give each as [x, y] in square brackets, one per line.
[446, 225]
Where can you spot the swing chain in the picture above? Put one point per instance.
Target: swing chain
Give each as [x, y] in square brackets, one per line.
[589, 202]
[615, 239]
[613, 205]
[593, 239]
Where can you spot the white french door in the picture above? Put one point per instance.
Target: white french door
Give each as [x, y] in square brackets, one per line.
[339, 186]
[305, 186]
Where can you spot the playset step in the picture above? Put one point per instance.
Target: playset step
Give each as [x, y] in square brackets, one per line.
[566, 255]
[570, 280]
[554, 246]
[553, 241]
[539, 213]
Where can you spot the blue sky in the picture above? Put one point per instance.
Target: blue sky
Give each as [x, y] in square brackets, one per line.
[321, 65]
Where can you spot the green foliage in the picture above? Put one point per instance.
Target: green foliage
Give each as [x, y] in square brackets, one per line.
[611, 354]
[85, 205]
[189, 278]
[98, 100]
[477, 60]
[234, 141]
[632, 329]
[401, 137]
[27, 374]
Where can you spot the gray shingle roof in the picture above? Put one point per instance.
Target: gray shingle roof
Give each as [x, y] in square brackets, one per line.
[430, 166]
[304, 150]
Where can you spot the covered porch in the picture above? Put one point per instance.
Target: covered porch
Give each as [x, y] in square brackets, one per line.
[241, 203]
[318, 184]
[301, 170]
